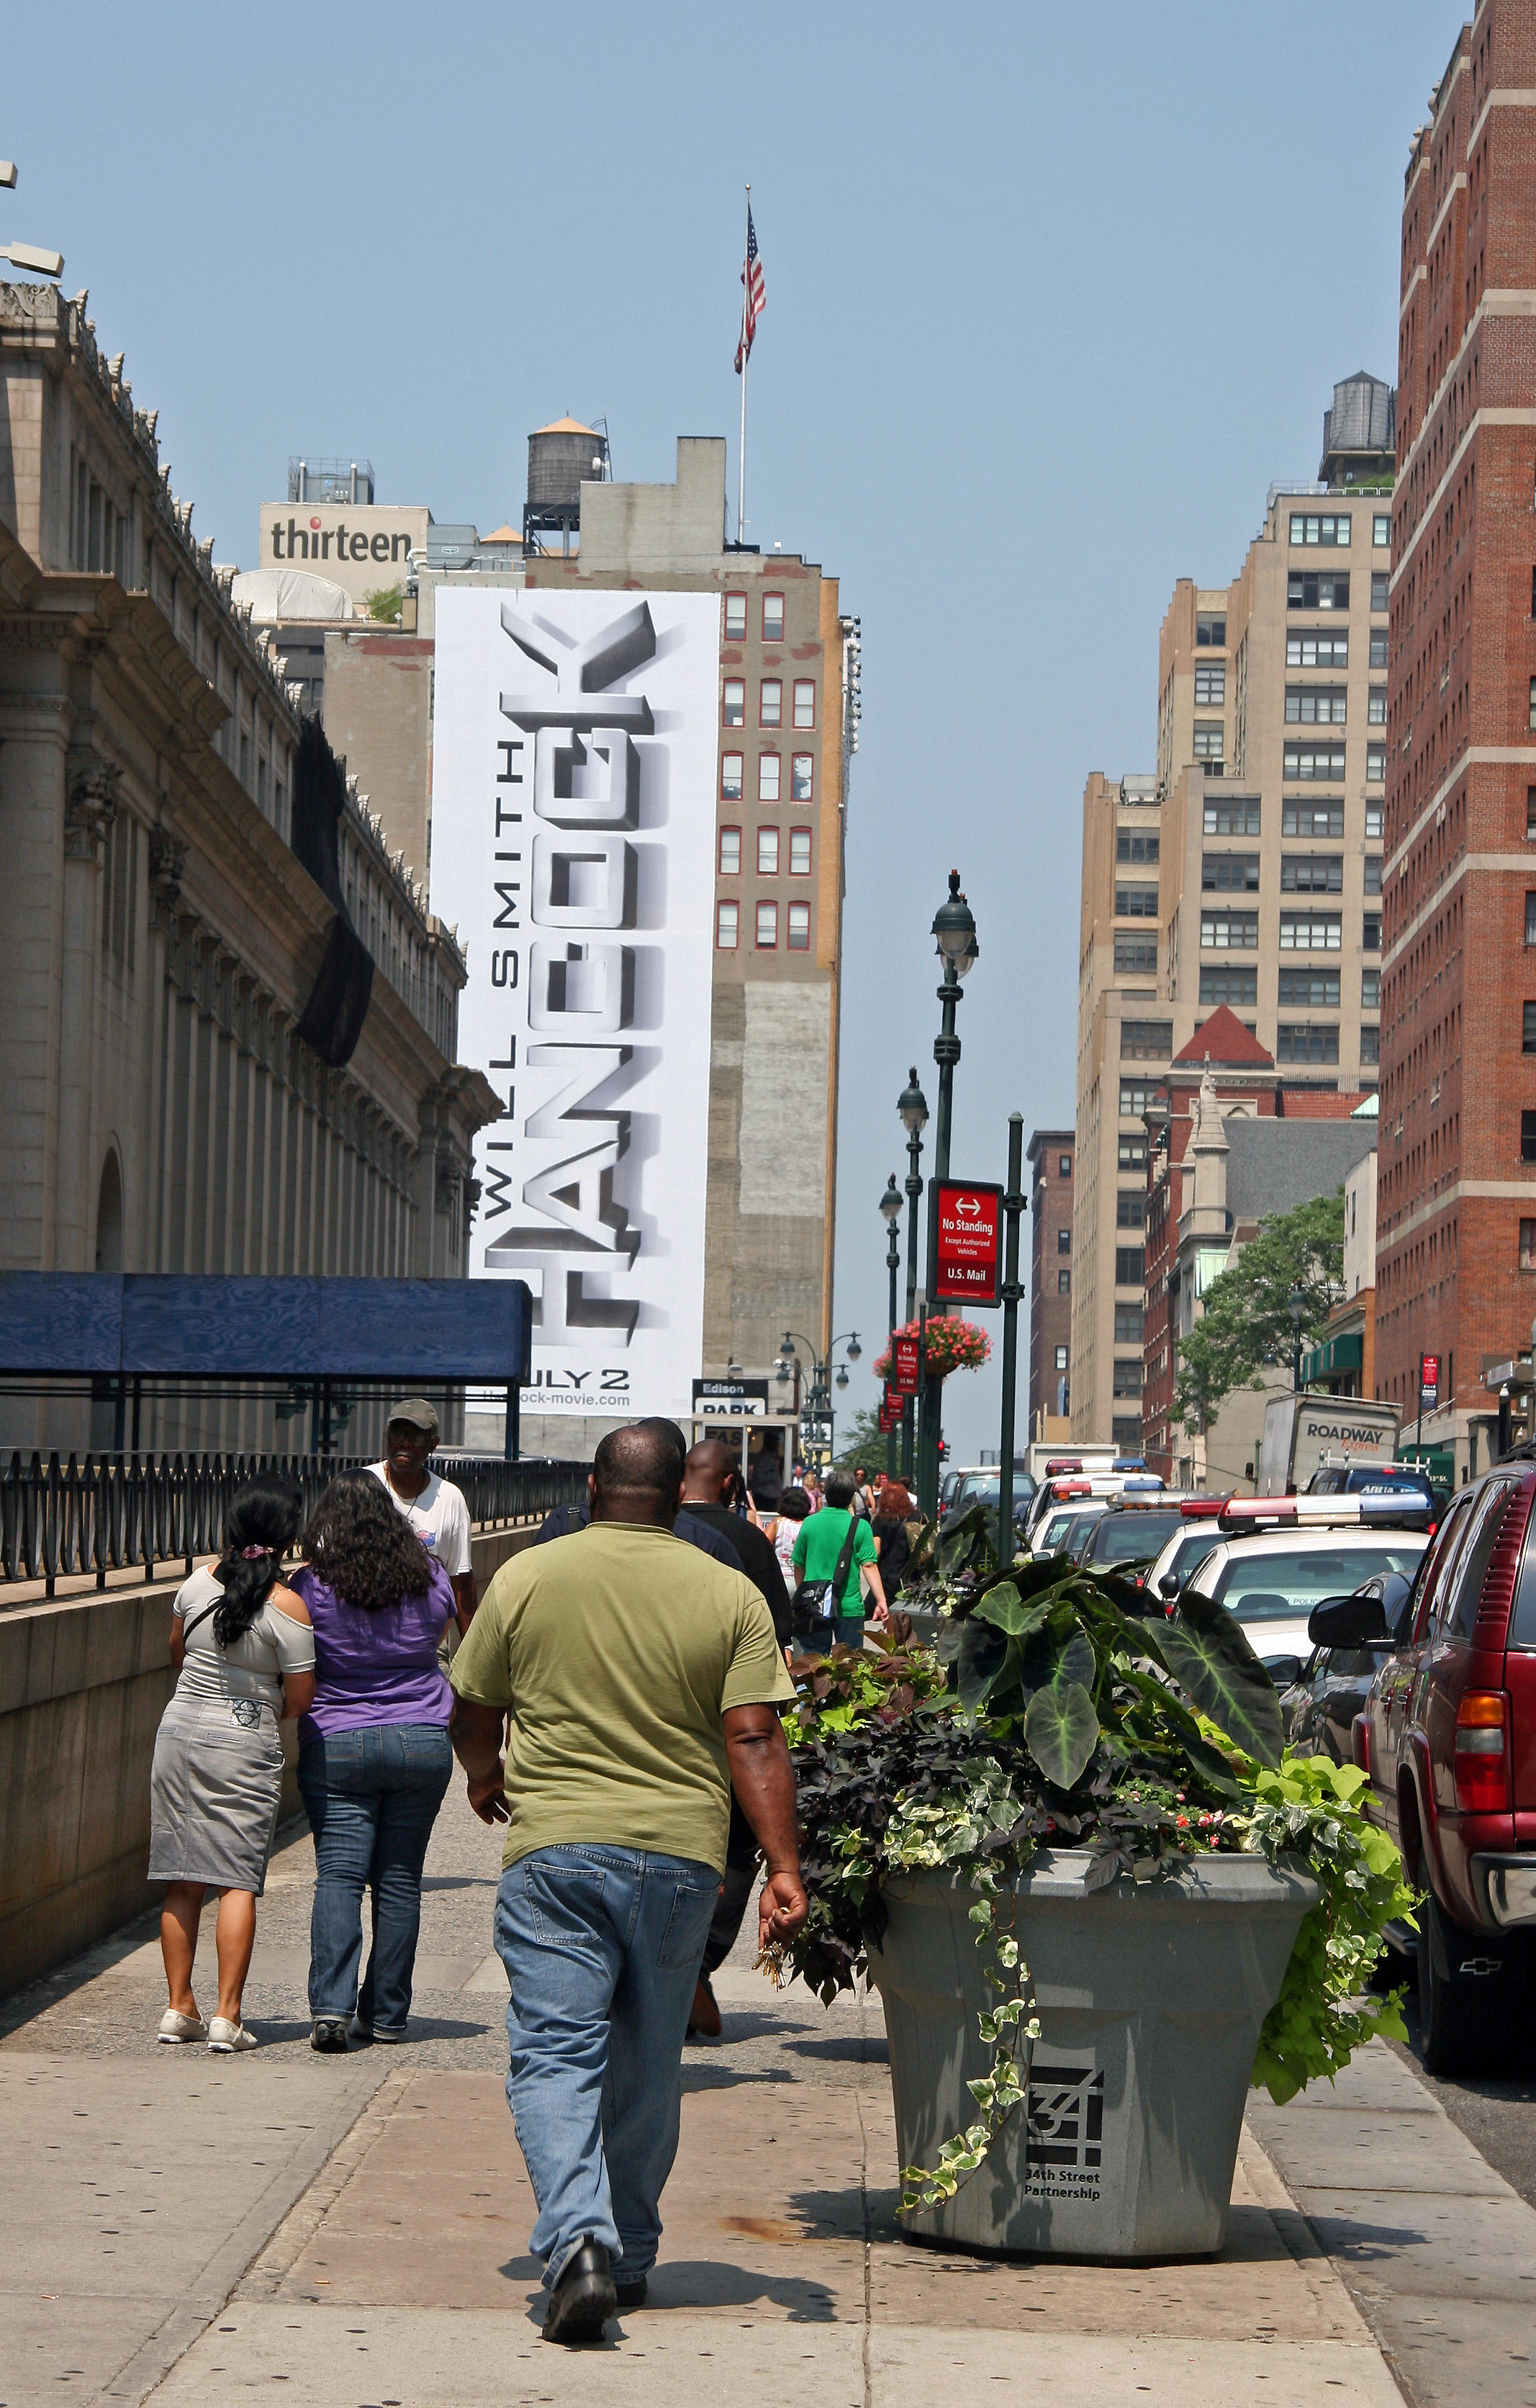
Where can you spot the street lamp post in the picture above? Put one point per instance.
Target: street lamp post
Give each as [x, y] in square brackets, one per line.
[955, 932]
[1297, 1304]
[890, 1205]
[818, 1399]
[912, 1106]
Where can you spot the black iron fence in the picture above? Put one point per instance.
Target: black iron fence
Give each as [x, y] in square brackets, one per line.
[109, 1513]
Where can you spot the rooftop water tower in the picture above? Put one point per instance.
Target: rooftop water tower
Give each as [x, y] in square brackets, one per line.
[562, 457]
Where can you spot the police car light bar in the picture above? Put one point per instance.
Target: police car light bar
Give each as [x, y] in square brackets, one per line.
[1317, 1512]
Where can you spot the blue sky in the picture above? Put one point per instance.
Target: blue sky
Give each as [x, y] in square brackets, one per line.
[1053, 295]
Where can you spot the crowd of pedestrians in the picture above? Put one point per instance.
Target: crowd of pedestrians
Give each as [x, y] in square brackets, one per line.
[615, 1701]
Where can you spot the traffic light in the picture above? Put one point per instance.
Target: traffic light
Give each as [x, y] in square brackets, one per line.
[943, 1450]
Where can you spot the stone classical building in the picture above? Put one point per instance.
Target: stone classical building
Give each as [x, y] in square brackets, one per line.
[231, 1019]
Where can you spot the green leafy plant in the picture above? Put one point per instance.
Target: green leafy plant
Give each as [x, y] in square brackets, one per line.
[384, 602]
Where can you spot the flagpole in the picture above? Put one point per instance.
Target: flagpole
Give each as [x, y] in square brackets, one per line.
[741, 448]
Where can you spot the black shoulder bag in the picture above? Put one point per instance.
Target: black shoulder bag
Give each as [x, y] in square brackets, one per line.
[816, 1602]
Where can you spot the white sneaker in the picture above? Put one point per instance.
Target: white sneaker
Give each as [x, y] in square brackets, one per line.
[177, 2030]
[224, 2038]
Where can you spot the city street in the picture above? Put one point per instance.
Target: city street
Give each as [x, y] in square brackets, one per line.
[182, 2227]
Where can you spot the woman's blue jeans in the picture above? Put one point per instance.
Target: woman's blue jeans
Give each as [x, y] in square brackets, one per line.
[372, 1796]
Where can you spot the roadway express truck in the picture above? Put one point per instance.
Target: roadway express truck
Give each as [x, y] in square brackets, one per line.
[1302, 1432]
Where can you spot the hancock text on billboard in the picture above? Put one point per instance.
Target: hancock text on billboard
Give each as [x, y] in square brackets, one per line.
[573, 844]
[969, 1219]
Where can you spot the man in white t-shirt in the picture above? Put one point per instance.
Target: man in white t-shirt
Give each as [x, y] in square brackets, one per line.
[435, 1508]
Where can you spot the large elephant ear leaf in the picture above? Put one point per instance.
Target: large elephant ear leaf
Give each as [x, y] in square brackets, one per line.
[1222, 1677]
[982, 1653]
[1006, 1610]
[1061, 1732]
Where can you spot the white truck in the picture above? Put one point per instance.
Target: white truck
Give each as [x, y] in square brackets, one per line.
[1302, 1431]
[1091, 1456]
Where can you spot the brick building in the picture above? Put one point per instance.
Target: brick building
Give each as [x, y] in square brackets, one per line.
[1050, 1155]
[1457, 1198]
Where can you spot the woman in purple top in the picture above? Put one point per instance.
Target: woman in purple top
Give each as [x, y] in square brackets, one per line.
[374, 1758]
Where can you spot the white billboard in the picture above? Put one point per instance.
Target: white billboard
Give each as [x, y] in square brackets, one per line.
[573, 815]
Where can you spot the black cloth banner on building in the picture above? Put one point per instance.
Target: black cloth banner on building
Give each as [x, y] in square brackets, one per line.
[332, 1020]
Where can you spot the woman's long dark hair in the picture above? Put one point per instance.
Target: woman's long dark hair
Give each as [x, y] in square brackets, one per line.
[264, 1513]
[363, 1547]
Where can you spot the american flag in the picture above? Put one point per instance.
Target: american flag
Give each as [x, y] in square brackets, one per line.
[752, 307]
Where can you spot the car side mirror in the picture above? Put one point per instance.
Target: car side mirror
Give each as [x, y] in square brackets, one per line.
[1347, 1622]
[1170, 1583]
[1283, 1670]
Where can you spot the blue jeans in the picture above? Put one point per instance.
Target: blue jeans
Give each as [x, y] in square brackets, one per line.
[372, 1796]
[602, 1948]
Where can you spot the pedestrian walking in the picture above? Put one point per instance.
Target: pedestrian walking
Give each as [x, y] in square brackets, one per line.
[563, 1519]
[644, 1684]
[893, 1510]
[438, 1512]
[783, 1531]
[834, 1555]
[244, 1655]
[374, 1758]
[863, 1500]
[711, 1493]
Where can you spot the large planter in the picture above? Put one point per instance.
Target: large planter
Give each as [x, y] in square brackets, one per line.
[1150, 1997]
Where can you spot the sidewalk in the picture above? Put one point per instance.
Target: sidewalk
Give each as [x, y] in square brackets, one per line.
[184, 2228]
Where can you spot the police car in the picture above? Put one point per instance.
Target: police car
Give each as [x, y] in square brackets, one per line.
[1276, 1557]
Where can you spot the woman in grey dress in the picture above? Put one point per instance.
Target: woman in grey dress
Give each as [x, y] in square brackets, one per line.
[244, 1651]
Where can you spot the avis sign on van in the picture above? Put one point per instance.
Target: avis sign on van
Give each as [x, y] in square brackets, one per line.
[970, 1241]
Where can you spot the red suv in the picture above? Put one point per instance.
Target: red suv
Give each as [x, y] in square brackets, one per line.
[1448, 1740]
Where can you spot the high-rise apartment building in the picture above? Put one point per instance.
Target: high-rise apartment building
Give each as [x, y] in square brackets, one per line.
[1246, 873]
[1050, 1156]
[1457, 1173]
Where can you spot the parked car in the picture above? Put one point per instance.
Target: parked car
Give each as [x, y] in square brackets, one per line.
[1062, 1529]
[1129, 1535]
[1376, 1480]
[982, 1484]
[1269, 1572]
[1319, 1707]
[1447, 1739]
[1183, 1552]
[1098, 1484]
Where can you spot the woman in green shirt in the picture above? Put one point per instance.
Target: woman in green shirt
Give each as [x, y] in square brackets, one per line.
[819, 1545]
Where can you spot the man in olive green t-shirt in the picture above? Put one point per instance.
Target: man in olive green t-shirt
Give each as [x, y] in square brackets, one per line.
[643, 1681]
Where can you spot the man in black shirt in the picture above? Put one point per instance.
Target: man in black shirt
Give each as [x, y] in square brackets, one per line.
[711, 1485]
[692, 1527]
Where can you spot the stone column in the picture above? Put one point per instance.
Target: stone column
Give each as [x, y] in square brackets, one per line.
[90, 807]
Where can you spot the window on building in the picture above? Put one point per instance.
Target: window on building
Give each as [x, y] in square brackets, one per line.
[1376, 707]
[768, 852]
[1136, 902]
[1129, 1324]
[1380, 599]
[1372, 873]
[1380, 529]
[1209, 745]
[1531, 721]
[1528, 1245]
[1208, 631]
[1132, 1151]
[1371, 932]
[733, 702]
[1375, 819]
[1127, 1375]
[1130, 1209]
[730, 777]
[1063, 1166]
[1064, 1283]
[1232, 819]
[1528, 1029]
[801, 775]
[1061, 1358]
[1370, 1044]
[1376, 763]
[805, 702]
[1312, 990]
[799, 853]
[1527, 1137]
[1312, 873]
[773, 618]
[1130, 1266]
[1139, 849]
[1232, 987]
[1378, 648]
[1371, 990]
[1145, 1040]
[1136, 1096]
[1298, 1041]
[1312, 819]
[768, 776]
[1230, 931]
[1310, 590]
[1210, 682]
[736, 617]
[799, 928]
[730, 853]
[770, 703]
[1320, 527]
[1304, 761]
[1136, 954]
[1229, 873]
[1311, 651]
[1311, 932]
[1063, 1241]
[1315, 706]
[767, 926]
[727, 920]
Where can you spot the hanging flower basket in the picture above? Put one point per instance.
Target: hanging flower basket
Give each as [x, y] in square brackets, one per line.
[953, 1345]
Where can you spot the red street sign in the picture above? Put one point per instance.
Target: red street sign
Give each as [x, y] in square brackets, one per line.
[905, 1380]
[890, 1409]
[1429, 1378]
[970, 1241]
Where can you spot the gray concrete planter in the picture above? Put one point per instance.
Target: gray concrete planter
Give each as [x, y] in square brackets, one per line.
[1149, 1995]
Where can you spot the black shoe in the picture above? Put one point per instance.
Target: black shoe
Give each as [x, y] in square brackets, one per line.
[329, 2035]
[631, 2295]
[583, 2298]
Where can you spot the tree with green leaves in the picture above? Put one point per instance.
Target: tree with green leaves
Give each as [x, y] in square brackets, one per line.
[1247, 1325]
[384, 602]
[863, 1442]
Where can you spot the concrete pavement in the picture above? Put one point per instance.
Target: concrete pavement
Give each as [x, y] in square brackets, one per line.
[180, 2228]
